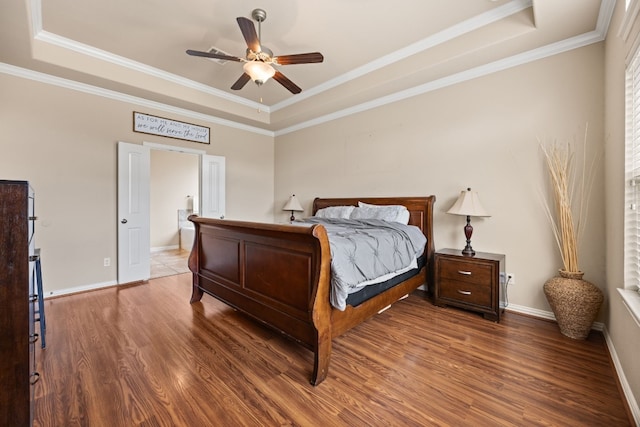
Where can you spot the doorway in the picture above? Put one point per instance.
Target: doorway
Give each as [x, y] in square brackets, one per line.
[174, 195]
[134, 212]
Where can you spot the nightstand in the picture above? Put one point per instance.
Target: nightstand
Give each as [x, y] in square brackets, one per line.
[470, 282]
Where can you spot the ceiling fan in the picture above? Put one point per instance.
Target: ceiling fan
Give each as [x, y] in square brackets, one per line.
[259, 61]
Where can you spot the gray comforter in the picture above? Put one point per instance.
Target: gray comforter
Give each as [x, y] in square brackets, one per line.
[363, 250]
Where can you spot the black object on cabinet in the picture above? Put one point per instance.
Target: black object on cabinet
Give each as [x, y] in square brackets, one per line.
[17, 298]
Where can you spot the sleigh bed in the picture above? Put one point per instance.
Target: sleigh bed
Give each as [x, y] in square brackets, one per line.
[280, 275]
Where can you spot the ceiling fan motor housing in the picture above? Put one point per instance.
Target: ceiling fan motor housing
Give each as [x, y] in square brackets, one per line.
[265, 55]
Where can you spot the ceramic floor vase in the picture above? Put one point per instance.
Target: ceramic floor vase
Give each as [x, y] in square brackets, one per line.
[575, 303]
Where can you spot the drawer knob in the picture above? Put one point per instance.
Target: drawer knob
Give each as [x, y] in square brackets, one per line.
[466, 273]
[464, 292]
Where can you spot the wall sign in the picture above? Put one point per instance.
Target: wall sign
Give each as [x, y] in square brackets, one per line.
[144, 123]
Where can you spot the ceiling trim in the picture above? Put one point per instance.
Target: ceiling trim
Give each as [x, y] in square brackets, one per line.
[441, 37]
[119, 96]
[102, 55]
[575, 42]
[39, 33]
[599, 34]
[471, 24]
[630, 15]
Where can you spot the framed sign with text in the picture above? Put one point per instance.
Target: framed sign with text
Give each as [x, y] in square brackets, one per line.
[154, 125]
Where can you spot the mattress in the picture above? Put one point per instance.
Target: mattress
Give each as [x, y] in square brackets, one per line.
[371, 291]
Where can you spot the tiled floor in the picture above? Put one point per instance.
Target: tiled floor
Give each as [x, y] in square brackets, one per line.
[169, 262]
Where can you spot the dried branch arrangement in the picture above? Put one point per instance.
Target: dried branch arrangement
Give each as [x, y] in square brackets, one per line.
[570, 196]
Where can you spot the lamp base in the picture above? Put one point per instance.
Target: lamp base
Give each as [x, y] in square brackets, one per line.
[468, 251]
[468, 231]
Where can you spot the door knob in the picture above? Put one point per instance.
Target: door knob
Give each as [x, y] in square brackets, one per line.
[124, 221]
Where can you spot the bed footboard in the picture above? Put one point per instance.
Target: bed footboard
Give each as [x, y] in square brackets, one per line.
[280, 274]
[277, 274]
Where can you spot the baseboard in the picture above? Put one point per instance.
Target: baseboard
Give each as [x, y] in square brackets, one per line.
[530, 311]
[164, 248]
[548, 315]
[626, 389]
[77, 289]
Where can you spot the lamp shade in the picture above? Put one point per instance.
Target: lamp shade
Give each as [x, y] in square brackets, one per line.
[259, 71]
[292, 205]
[468, 204]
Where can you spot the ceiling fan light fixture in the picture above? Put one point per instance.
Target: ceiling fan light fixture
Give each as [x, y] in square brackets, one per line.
[259, 71]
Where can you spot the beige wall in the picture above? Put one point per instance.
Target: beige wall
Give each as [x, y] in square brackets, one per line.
[480, 134]
[64, 142]
[174, 176]
[624, 333]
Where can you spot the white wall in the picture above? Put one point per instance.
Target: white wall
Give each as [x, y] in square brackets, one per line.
[64, 142]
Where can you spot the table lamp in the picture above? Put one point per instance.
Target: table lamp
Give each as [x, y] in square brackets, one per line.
[468, 204]
[293, 205]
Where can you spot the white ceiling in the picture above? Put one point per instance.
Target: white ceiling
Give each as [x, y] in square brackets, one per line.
[375, 51]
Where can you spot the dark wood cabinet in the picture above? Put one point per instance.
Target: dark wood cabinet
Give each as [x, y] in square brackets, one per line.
[470, 282]
[17, 299]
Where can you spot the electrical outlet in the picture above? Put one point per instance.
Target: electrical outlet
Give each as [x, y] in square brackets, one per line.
[511, 279]
[107, 262]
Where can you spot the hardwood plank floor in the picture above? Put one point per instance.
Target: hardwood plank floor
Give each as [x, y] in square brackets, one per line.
[143, 356]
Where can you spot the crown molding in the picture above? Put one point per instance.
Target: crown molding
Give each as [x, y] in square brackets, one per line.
[472, 73]
[450, 33]
[630, 15]
[102, 55]
[595, 36]
[441, 37]
[118, 96]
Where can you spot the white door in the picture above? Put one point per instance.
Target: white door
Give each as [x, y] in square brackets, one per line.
[134, 262]
[212, 186]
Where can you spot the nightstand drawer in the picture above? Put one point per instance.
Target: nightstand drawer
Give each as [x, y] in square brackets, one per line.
[467, 292]
[470, 282]
[469, 272]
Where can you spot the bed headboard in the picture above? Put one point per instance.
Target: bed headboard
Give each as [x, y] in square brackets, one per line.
[420, 212]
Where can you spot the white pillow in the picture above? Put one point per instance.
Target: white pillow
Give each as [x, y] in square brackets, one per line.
[343, 212]
[390, 213]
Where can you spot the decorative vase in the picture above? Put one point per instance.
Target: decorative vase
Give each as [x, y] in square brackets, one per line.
[575, 303]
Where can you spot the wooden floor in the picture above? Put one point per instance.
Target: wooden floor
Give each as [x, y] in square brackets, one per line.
[143, 356]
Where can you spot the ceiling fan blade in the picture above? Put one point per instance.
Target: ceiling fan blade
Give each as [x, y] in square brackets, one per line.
[299, 58]
[249, 33]
[291, 86]
[239, 84]
[212, 55]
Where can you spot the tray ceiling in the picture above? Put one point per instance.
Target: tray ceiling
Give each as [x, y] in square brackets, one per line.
[375, 51]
